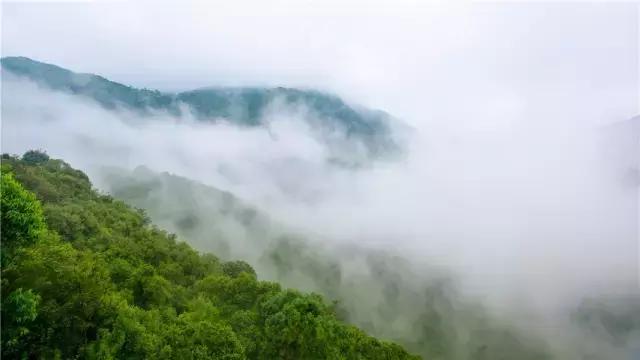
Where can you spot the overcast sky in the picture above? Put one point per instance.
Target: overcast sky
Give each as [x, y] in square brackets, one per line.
[415, 60]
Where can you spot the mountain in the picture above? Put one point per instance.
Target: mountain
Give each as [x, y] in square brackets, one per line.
[108, 93]
[246, 106]
[377, 290]
[85, 276]
[211, 219]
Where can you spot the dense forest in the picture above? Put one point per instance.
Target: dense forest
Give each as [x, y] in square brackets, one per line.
[84, 275]
[87, 276]
[377, 289]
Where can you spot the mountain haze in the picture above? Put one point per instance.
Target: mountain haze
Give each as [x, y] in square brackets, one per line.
[86, 276]
[327, 114]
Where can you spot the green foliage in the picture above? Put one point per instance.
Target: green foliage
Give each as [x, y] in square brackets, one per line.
[90, 277]
[381, 293]
[243, 106]
[19, 310]
[235, 268]
[22, 218]
[34, 157]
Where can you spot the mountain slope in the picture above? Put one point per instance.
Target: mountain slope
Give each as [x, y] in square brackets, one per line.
[246, 106]
[86, 276]
[108, 93]
[211, 219]
[377, 290]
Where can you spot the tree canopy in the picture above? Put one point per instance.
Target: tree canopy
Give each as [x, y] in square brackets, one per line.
[89, 277]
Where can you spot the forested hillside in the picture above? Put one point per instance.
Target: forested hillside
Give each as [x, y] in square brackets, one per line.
[328, 115]
[86, 276]
[378, 290]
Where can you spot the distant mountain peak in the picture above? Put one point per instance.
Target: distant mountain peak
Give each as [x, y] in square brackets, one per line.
[246, 106]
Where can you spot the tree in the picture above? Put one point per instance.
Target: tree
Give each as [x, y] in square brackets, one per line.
[34, 157]
[22, 218]
[19, 310]
[235, 268]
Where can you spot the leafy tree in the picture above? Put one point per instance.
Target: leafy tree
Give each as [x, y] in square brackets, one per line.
[19, 310]
[22, 218]
[235, 268]
[34, 157]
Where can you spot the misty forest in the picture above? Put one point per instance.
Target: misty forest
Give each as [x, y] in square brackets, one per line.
[249, 199]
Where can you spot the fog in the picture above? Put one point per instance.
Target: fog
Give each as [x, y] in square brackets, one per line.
[509, 180]
[535, 215]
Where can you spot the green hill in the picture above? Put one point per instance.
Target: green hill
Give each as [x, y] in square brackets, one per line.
[376, 290]
[327, 114]
[86, 276]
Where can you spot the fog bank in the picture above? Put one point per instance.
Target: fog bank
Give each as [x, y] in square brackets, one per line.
[526, 215]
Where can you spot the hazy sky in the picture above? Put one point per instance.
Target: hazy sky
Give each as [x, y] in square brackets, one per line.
[419, 60]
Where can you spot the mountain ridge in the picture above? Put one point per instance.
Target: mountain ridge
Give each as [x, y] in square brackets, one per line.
[244, 106]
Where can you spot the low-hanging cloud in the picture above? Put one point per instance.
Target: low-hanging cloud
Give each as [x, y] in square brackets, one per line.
[519, 212]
